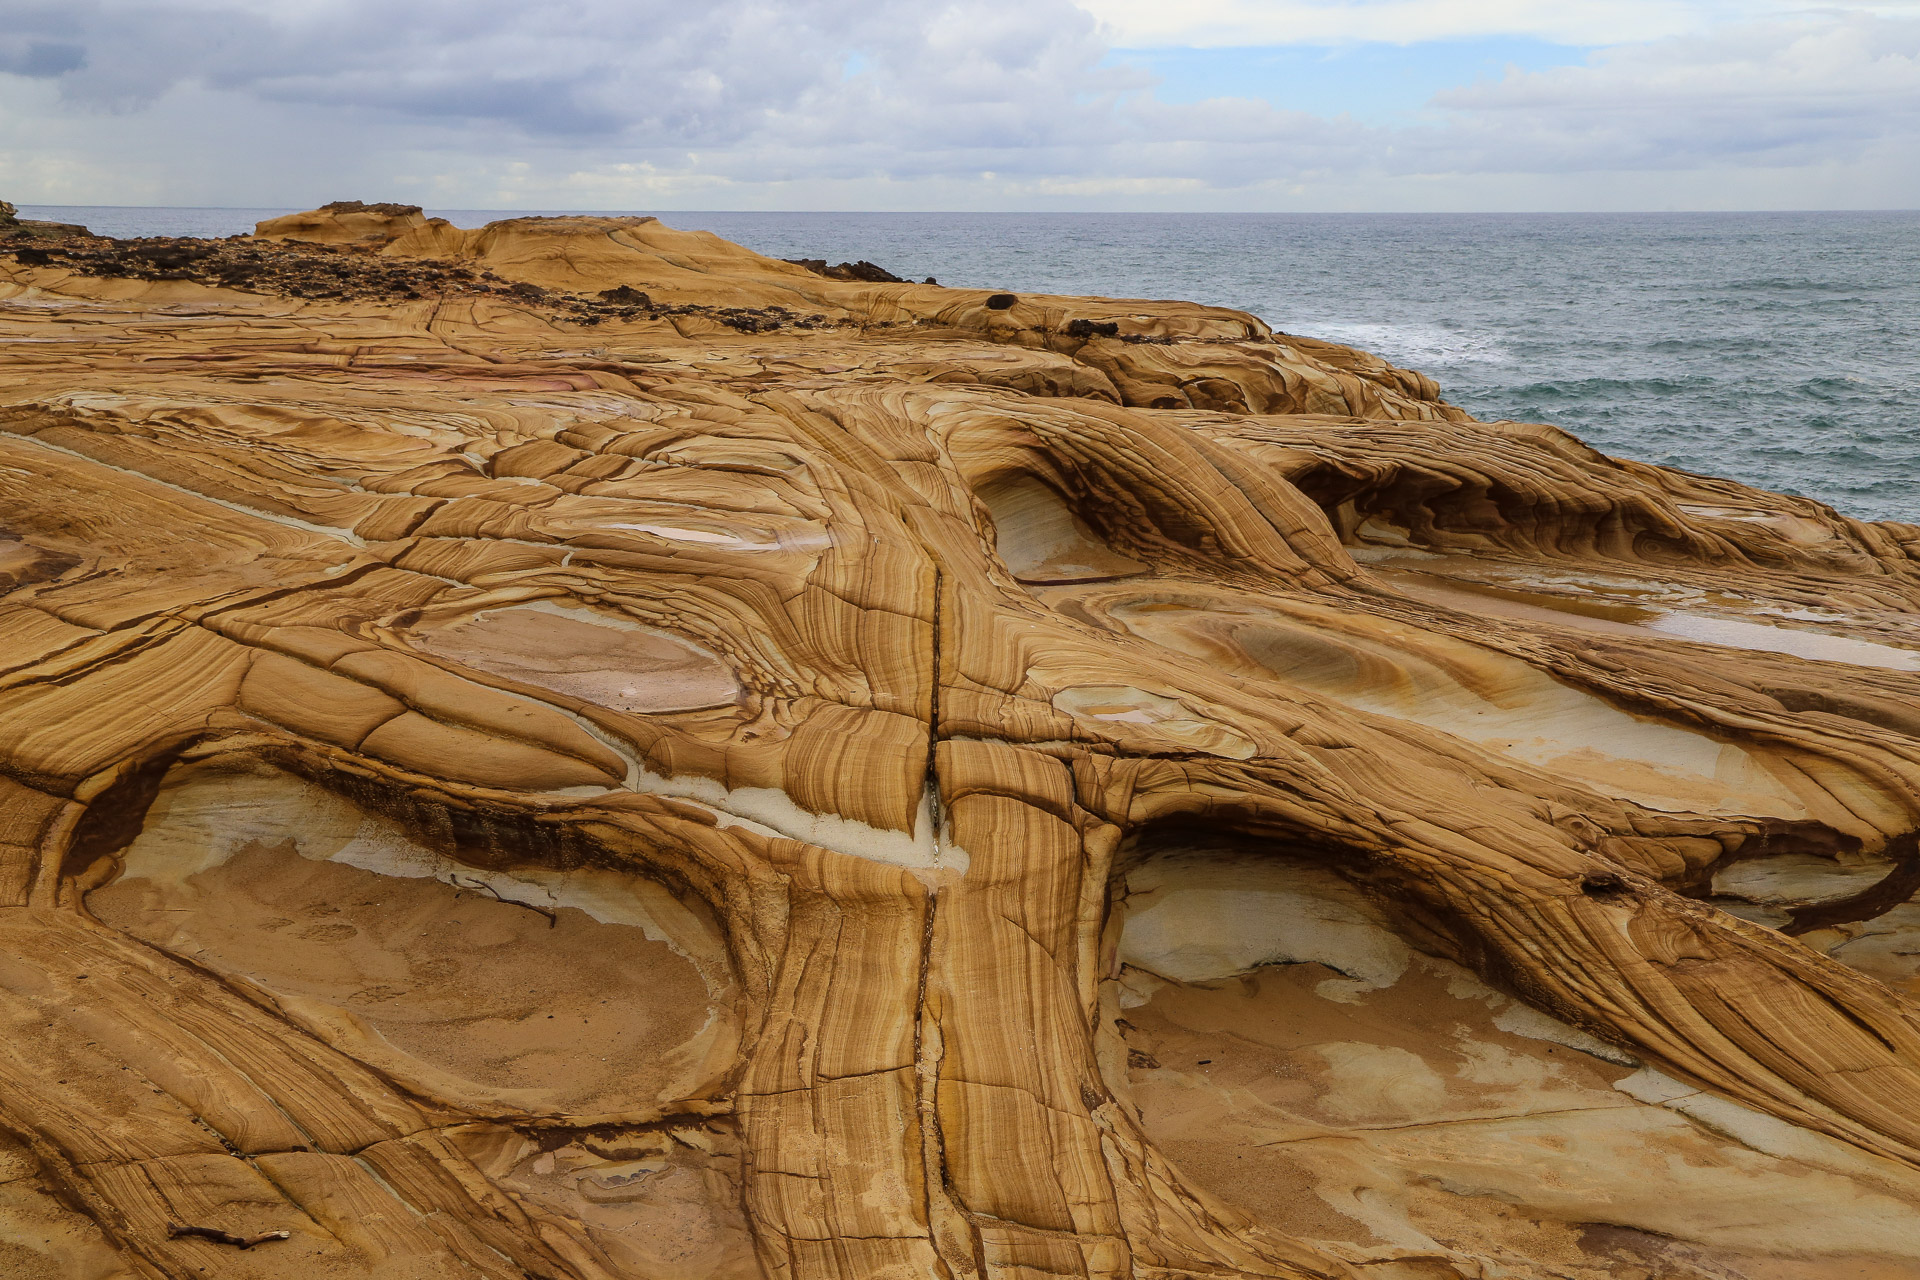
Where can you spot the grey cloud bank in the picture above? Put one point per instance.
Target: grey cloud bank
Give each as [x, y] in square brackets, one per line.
[864, 103]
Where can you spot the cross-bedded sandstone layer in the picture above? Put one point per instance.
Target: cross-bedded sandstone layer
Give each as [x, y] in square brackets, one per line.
[547, 778]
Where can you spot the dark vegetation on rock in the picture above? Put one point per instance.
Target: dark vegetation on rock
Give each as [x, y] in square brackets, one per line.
[862, 270]
[387, 207]
[298, 269]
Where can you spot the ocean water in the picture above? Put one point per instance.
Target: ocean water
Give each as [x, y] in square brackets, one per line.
[1781, 349]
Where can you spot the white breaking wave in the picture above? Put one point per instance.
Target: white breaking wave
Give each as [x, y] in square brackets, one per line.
[1416, 345]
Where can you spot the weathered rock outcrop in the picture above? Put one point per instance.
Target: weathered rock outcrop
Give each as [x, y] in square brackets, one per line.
[13, 226]
[643, 761]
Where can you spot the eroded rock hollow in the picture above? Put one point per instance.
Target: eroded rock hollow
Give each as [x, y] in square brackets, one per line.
[575, 750]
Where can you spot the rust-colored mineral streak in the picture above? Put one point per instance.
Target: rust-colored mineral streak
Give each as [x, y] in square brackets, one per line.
[575, 750]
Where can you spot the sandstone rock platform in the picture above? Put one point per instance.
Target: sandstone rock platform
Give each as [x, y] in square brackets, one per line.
[572, 749]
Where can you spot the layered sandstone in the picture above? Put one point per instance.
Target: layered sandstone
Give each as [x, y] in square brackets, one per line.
[572, 749]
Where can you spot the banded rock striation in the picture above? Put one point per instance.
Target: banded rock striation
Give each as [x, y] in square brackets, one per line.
[642, 761]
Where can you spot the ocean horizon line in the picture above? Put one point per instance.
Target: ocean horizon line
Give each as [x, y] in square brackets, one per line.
[1029, 213]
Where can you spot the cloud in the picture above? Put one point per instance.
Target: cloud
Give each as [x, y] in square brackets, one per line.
[1220, 23]
[39, 58]
[1780, 92]
[682, 74]
[946, 103]
[570, 67]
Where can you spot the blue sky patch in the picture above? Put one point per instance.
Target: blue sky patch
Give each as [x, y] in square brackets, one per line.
[1375, 83]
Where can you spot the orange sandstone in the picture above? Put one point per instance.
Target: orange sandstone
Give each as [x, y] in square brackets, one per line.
[796, 777]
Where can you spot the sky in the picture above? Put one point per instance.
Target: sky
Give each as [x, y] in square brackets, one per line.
[1309, 105]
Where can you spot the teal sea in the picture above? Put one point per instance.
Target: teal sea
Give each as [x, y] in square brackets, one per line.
[1781, 349]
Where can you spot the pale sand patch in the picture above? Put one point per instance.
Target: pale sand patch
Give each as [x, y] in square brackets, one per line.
[1886, 947]
[1814, 645]
[1626, 611]
[528, 989]
[1199, 919]
[1797, 879]
[1494, 701]
[1166, 717]
[1354, 1090]
[602, 659]
[663, 1204]
[1041, 539]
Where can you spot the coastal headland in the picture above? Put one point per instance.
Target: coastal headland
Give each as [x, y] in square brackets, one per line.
[573, 749]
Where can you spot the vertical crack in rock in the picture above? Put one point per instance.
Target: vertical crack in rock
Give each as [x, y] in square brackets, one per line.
[946, 1218]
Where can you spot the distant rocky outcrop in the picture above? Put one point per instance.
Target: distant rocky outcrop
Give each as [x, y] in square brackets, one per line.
[13, 225]
[862, 270]
[385, 208]
[576, 749]
[347, 222]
